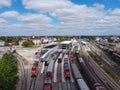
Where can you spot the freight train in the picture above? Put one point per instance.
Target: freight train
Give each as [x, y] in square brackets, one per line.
[111, 51]
[93, 83]
[35, 69]
[78, 78]
[49, 75]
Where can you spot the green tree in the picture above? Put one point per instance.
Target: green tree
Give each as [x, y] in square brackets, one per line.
[8, 72]
[61, 39]
[110, 40]
[10, 39]
[28, 43]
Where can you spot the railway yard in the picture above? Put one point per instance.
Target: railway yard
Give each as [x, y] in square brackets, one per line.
[62, 69]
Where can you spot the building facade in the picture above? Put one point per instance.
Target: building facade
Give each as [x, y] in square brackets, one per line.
[36, 42]
[2, 43]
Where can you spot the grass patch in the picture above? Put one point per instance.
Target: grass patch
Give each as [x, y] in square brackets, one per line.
[61, 40]
[94, 57]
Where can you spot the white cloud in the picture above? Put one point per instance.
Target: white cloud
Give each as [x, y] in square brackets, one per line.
[78, 14]
[46, 5]
[5, 3]
[34, 19]
[116, 12]
[9, 14]
[99, 6]
[75, 19]
[3, 21]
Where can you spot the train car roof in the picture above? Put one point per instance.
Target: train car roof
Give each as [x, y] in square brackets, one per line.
[81, 60]
[44, 55]
[50, 66]
[82, 85]
[76, 71]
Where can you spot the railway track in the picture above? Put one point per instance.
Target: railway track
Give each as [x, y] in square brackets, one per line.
[59, 76]
[68, 83]
[55, 80]
[105, 78]
[55, 71]
[38, 80]
[23, 71]
[27, 83]
[94, 78]
[107, 61]
[32, 84]
[94, 75]
[34, 81]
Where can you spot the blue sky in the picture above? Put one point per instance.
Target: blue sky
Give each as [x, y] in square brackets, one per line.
[108, 3]
[59, 17]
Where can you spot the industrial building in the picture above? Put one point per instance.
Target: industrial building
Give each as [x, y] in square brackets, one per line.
[65, 45]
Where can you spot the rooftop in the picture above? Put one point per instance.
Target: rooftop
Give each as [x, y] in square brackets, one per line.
[66, 42]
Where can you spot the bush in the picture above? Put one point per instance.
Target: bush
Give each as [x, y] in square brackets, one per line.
[94, 57]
